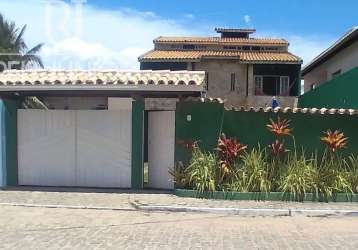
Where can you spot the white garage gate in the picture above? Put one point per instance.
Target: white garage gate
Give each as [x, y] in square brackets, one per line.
[83, 148]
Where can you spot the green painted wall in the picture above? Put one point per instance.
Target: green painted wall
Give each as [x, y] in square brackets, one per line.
[204, 127]
[137, 144]
[250, 127]
[341, 92]
[9, 141]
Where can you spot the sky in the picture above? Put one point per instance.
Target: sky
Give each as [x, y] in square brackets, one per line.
[111, 34]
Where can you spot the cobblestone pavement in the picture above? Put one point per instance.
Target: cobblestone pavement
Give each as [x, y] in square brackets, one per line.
[122, 199]
[61, 228]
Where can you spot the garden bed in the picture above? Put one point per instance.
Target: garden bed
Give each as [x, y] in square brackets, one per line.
[254, 196]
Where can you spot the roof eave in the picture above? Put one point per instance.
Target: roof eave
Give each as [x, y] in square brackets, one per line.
[270, 62]
[322, 57]
[129, 88]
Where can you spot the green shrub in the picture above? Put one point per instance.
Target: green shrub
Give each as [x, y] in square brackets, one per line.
[202, 171]
[331, 176]
[180, 176]
[252, 172]
[299, 177]
[353, 172]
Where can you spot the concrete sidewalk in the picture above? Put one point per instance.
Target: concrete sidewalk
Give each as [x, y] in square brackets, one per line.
[150, 201]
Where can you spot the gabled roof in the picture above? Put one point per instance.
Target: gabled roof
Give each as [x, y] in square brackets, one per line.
[220, 41]
[190, 56]
[146, 80]
[346, 40]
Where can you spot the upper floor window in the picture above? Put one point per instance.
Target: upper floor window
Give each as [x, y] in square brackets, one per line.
[284, 85]
[337, 73]
[175, 46]
[232, 82]
[201, 47]
[258, 85]
[230, 47]
[189, 46]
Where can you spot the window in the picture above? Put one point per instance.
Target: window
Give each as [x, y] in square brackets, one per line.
[337, 73]
[173, 46]
[230, 47]
[258, 85]
[232, 82]
[189, 46]
[206, 81]
[255, 48]
[246, 48]
[284, 85]
[201, 47]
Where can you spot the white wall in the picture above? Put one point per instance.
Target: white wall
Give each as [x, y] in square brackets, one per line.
[116, 103]
[345, 60]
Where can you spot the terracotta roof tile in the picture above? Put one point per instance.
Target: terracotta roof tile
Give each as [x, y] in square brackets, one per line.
[219, 40]
[96, 77]
[163, 55]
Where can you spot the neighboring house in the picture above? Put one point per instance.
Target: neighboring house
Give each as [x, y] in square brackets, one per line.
[242, 70]
[339, 58]
[74, 143]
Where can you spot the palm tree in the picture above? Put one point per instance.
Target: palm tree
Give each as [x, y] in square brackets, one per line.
[14, 49]
[14, 54]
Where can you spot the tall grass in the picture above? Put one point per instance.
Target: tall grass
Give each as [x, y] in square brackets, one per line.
[202, 171]
[331, 175]
[252, 173]
[299, 177]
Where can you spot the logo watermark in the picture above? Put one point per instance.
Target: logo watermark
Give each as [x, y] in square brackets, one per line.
[62, 37]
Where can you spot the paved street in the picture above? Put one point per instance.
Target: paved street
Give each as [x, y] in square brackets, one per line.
[61, 228]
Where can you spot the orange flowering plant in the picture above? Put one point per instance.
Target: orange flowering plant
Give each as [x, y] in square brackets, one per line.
[334, 140]
[280, 128]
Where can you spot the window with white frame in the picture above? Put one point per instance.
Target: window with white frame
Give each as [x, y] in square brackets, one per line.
[284, 85]
[258, 85]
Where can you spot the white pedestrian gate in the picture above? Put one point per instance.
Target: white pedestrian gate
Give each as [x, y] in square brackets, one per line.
[161, 144]
[87, 148]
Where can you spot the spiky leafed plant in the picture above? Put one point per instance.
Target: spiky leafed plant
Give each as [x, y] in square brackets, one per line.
[278, 148]
[180, 175]
[280, 128]
[229, 150]
[334, 140]
[201, 172]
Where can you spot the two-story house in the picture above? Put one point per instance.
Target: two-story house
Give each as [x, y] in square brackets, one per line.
[241, 69]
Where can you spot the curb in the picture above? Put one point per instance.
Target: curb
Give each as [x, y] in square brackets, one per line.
[67, 206]
[250, 211]
[254, 212]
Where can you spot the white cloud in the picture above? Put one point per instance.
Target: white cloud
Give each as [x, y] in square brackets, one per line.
[89, 37]
[247, 20]
[305, 46]
[308, 47]
[189, 16]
